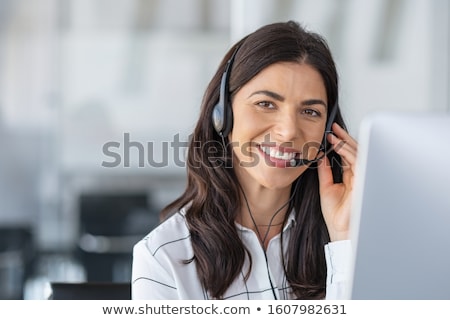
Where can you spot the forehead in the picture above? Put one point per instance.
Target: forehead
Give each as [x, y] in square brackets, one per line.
[288, 78]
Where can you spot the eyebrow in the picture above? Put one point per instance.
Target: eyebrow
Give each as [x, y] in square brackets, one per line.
[280, 98]
[269, 93]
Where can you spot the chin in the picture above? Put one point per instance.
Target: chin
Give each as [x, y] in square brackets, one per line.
[279, 180]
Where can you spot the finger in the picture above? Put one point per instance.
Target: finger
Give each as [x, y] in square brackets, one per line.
[348, 163]
[344, 135]
[339, 134]
[348, 152]
[343, 148]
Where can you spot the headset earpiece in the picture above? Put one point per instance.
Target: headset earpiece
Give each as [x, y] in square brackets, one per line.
[222, 115]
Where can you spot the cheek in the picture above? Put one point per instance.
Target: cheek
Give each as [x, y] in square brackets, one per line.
[243, 138]
[242, 146]
[245, 128]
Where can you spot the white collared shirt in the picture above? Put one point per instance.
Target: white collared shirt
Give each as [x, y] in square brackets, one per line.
[159, 272]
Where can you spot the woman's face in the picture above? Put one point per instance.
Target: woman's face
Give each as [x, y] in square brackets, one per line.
[278, 115]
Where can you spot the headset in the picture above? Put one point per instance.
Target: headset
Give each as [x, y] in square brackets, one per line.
[222, 116]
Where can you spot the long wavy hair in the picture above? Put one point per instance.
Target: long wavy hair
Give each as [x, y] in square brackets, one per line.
[212, 196]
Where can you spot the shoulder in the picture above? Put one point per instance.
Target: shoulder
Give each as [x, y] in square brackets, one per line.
[172, 235]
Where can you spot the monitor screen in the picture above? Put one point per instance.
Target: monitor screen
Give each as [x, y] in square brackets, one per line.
[400, 228]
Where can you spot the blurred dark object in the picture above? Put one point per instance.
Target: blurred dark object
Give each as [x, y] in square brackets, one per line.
[110, 224]
[90, 291]
[17, 257]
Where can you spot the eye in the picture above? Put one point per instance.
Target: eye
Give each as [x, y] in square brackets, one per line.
[311, 112]
[265, 105]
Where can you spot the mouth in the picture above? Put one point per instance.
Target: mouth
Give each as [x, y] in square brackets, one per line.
[280, 156]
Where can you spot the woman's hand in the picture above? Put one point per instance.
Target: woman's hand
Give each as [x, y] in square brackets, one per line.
[336, 198]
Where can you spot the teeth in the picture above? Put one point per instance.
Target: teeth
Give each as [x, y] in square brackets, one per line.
[278, 154]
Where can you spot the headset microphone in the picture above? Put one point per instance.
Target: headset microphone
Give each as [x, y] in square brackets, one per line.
[302, 162]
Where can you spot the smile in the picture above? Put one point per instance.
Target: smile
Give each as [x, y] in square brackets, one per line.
[277, 153]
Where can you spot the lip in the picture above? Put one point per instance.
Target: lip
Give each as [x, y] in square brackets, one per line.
[277, 162]
[280, 148]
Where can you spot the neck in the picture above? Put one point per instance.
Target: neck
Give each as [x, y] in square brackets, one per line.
[267, 207]
[263, 210]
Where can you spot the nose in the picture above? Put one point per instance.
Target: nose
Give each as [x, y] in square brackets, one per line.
[286, 127]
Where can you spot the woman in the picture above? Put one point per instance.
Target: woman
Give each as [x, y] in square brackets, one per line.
[265, 214]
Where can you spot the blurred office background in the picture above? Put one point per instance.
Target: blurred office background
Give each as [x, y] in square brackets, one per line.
[83, 82]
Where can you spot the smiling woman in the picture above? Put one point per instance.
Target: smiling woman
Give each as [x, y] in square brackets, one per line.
[265, 216]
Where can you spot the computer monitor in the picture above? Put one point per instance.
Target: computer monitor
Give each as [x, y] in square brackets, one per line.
[400, 228]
